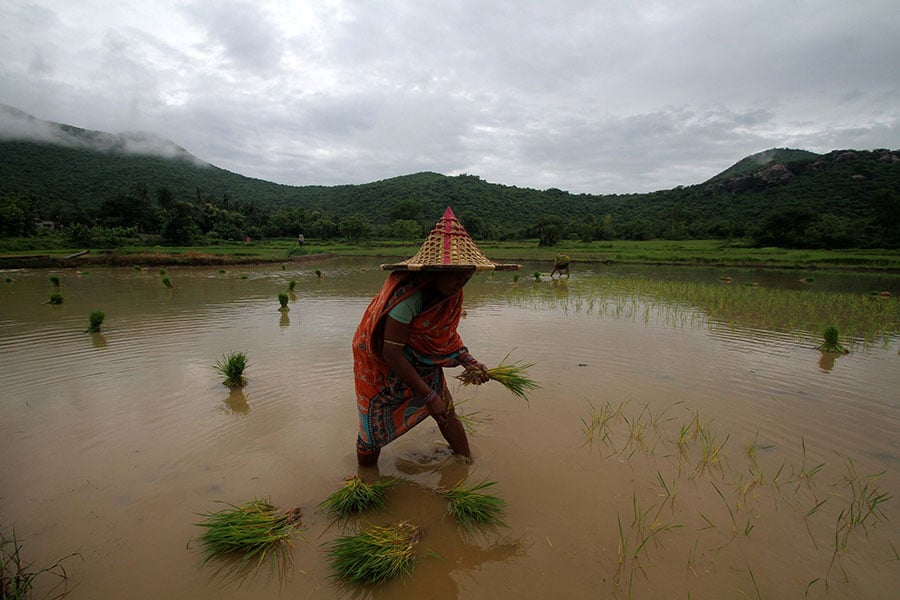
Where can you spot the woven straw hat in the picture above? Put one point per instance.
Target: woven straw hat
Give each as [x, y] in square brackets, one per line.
[449, 246]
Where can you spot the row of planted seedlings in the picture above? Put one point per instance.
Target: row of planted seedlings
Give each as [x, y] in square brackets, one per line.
[257, 532]
[865, 318]
[707, 498]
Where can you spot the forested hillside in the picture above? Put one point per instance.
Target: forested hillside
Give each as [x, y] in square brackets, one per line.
[777, 197]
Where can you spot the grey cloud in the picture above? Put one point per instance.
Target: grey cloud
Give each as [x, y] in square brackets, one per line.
[249, 38]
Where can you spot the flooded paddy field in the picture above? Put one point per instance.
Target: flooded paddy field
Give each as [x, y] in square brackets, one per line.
[688, 439]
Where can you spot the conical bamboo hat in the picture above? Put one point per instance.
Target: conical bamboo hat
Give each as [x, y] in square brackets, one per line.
[449, 246]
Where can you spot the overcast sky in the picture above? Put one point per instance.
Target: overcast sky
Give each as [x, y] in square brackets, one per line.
[609, 96]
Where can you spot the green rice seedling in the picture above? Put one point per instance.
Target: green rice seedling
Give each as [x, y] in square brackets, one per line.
[472, 508]
[254, 530]
[167, 282]
[162, 272]
[832, 341]
[95, 319]
[515, 278]
[511, 376]
[54, 280]
[597, 427]
[537, 275]
[318, 273]
[292, 284]
[221, 270]
[470, 420]
[56, 298]
[376, 554]
[357, 496]
[283, 300]
[232, 367]
[17, 577]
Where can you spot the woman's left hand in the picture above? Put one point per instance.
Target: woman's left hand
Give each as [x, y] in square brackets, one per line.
[481, 371]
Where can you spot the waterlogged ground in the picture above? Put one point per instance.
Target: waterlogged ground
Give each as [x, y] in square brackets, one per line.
[688, 440]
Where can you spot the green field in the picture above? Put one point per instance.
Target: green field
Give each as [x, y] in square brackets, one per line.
[686, 252]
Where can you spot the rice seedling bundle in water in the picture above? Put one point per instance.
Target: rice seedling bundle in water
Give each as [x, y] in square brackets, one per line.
[472, 508]
[255, 530]
[357, 496]
[232, 367]
[832, 341]
[95, 319]
[511, 375]
[375, 555]
[283, 300]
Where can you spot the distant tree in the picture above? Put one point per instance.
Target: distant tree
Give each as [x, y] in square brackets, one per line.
[17, 215]
[549, 230]
[886, 204]
[180, 228]
[831, 232]
[354, 227]
[165, 198]
[407, 210]
[404, 229]
[785, 227]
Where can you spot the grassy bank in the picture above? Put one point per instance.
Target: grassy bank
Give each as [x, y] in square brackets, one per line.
[686, 252]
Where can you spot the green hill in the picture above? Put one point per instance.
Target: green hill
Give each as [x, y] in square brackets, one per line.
[69, 173]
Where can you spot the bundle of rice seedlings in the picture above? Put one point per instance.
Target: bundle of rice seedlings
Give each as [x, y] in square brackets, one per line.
[832, 341]
[255, 530]
[283, 301]
[472, 508]
[232, 367]
[357, 496]
[512, 376]
[375, 555]
[56, 299]
[95, 319]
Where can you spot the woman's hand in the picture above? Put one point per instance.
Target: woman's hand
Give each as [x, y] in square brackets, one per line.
[479, 372]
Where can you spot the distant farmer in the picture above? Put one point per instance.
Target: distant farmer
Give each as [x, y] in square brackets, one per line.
[300, 239]
[561, 265]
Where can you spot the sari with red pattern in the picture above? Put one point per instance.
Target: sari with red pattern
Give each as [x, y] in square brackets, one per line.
[387, 406]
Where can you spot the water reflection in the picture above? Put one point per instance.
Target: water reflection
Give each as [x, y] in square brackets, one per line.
[285, 320]
[236, 402]
[826, 360]
[98, 340]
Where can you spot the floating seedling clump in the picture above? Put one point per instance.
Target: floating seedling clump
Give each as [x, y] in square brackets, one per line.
[254, 530]
[54, 280]
[832, 341]
[472, 508]
[375, 555]
[232, 367]
[357, 496]
[95, 319]
[292, 284]
[511, 375]
[56, 298]
[167, 282]
[283, 300]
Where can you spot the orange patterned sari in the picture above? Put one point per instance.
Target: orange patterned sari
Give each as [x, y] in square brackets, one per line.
[387, 407]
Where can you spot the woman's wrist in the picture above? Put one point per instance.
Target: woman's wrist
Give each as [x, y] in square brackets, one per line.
[430, 398]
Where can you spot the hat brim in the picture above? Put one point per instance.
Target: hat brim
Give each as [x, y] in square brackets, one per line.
[408, 267]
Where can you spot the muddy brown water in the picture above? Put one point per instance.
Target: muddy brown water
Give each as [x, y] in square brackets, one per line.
[656, 460]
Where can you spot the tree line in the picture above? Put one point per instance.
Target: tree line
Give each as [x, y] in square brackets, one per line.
[842, 199]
